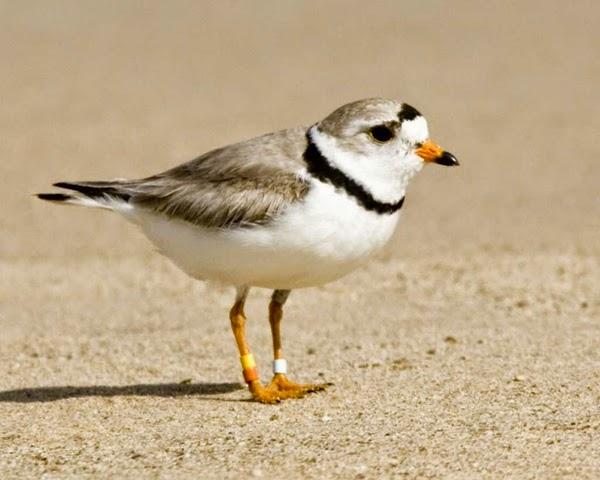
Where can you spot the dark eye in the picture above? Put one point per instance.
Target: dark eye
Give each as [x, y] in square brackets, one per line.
[381, 133]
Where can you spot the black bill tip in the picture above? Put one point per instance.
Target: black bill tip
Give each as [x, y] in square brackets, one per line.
[447, 159]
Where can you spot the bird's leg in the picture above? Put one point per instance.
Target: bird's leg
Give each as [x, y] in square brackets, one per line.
[280, 382]
[238, 321]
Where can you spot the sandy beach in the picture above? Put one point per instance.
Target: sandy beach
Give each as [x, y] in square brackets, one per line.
[470, 348]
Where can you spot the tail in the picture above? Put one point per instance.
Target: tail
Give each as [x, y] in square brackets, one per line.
[91, 194]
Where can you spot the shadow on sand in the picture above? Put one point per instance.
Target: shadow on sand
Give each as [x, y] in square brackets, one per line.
[51, 394]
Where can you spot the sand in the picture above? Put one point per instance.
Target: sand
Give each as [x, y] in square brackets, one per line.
[470, 348]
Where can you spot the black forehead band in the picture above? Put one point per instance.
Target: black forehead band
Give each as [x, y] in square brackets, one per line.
[408, 113]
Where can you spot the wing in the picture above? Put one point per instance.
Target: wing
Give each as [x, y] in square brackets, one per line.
[244, 184]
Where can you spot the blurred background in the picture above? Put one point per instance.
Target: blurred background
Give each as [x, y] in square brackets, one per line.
[97, 90]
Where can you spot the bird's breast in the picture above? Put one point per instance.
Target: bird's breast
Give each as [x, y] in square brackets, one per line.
[322, 238]
[334, 225]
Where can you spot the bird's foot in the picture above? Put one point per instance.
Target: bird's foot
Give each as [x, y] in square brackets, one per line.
[281, 388]
[288, 389]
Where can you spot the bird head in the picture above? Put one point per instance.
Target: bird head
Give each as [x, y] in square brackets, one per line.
[379, 143]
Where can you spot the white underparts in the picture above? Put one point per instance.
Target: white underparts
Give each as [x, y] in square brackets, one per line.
[319, 239]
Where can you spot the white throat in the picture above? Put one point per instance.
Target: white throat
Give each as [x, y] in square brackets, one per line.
[384, 176]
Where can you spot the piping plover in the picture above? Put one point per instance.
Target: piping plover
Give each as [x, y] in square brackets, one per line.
[290, 209]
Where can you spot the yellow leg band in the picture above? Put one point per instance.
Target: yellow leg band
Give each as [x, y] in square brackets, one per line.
[247, 361]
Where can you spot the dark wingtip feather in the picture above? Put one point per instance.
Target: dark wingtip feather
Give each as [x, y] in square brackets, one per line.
[63, 185]
[54, 197]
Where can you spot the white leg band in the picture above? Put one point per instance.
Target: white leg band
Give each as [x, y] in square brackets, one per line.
[279, 365]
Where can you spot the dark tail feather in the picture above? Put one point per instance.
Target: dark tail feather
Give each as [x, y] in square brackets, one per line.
[54, 197]
[96, 190]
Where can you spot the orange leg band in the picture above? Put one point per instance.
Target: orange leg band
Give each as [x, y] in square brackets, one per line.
[250, 374]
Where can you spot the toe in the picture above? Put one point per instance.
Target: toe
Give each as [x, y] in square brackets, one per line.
[289, 389]
[264, 395]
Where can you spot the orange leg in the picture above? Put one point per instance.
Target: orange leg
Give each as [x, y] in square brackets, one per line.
[238, 323]
[280, 383]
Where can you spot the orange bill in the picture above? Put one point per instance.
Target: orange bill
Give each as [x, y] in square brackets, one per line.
[432, 153]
